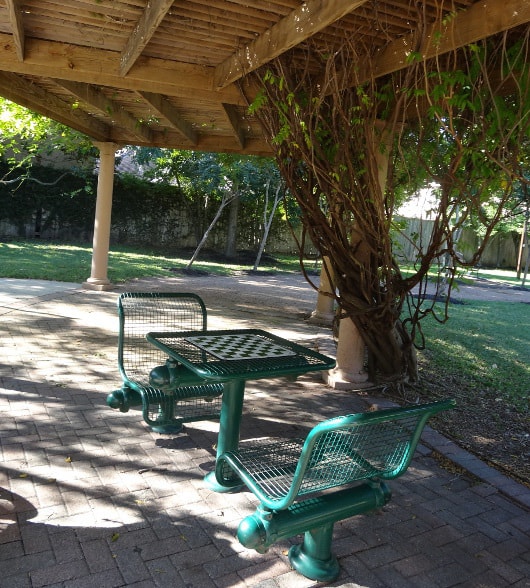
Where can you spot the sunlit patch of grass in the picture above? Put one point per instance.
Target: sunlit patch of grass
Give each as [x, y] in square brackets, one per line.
[47, 261]
[508, 277]
[72, 263]
[487, 344]
[469, 275]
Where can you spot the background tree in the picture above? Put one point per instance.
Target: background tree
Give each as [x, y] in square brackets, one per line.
[343, 145]
[28, 139]
[46, 172]
[197, 175]
[275, 192]
[215, 183]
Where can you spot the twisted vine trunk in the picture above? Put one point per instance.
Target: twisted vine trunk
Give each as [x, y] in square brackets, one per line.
[348, 223]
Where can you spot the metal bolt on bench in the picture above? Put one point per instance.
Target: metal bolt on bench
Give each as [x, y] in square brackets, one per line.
[305, 486]
[169, 394]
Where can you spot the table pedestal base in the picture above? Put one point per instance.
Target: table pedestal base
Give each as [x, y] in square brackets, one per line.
[230, 421]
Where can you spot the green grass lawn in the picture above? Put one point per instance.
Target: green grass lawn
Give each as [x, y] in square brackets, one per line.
[72, 263]
[469, 276]
[508, 277]
[488, 345]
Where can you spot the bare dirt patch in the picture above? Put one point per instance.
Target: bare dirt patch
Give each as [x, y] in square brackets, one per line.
[483, 424]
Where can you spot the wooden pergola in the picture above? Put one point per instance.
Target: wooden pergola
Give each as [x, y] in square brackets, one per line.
[169, 73]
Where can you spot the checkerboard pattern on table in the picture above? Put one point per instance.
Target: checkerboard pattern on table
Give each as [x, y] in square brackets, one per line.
[240, 346]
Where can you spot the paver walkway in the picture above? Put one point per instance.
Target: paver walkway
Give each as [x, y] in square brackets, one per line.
[89, 497]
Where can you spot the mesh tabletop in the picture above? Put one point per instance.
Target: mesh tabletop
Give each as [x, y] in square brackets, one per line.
[244, 354]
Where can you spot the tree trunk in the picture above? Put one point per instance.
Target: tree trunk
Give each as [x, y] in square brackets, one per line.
[231, 234]
[226, 200]
[343, 152]
[267, 222]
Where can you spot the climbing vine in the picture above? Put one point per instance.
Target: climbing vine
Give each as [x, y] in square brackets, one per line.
[351, 147]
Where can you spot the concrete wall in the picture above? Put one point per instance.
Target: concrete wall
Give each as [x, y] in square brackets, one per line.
[501, 251]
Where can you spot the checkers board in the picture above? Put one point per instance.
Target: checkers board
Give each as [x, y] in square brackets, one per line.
[239, 346]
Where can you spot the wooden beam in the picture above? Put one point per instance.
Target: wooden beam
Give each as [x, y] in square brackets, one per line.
[311, 17]
[211, 143]
[168, 111]
[152, 16]
[22, 92]
[95, 98]
[235, 123]
[17, 26]
[481, 20]
[100, 67]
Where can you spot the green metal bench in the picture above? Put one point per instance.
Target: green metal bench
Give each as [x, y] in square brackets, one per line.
[338, 471]
[169, 394]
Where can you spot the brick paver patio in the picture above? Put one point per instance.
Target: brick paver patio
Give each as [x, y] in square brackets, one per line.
[89, 497]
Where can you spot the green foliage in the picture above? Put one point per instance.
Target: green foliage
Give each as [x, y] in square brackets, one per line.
[47, 197]
[26, 137]
[45, 172]
[146, 212]
[209, 174]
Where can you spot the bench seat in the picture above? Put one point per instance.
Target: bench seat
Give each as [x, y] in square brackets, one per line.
[338, 470]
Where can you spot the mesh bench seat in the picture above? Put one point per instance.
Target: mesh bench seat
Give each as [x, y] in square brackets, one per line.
[337, 471]
[169, 394]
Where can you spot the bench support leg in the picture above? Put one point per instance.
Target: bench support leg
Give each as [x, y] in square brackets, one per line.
[313, 558]
[165, 422]
[315, 518]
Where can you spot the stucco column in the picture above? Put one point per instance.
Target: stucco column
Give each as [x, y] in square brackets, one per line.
[349, 372]
[324, 312]
[100, 254]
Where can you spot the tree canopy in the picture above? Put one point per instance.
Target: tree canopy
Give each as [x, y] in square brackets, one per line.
[26, 137]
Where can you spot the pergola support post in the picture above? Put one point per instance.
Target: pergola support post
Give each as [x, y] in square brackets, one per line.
[98, 279]
[324, 312]
[349, 373]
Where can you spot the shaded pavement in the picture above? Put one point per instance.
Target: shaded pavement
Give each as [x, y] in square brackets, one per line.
[89, 497]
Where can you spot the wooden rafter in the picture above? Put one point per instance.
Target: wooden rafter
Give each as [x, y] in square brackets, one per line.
[22, 92]
[311, 17]
[168, 111]
[479, 21]
[176, 62]
[96, 99]
[235, 123]
[100, 67]
[152, 16]
[17, 26]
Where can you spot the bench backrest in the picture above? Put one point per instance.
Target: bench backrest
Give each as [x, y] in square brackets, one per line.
[338, 451]
[142, 312]
[378, 444]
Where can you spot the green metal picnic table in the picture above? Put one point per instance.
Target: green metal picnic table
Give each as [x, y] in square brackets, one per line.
[234, 356]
